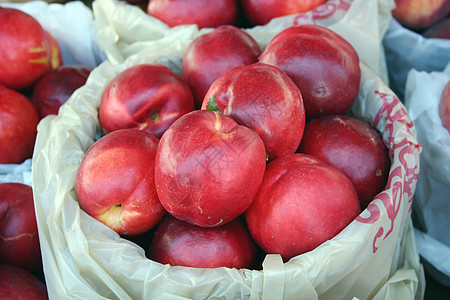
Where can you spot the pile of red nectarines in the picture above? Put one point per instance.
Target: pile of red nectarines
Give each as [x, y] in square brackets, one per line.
[33, 84]
[31, 68]
[248, 150]
[213, 13]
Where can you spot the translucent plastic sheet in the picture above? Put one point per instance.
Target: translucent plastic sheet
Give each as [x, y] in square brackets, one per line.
[406, 50]
[432, 202]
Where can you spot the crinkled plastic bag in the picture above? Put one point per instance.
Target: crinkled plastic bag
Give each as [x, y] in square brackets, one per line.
[373, 257]
[124, 30]
[432, 202]
[406, 50]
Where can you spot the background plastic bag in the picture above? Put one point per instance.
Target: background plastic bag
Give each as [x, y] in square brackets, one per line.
[73, 27]
[374, 257]
[406, 50]
[124, 29]
[432, 201]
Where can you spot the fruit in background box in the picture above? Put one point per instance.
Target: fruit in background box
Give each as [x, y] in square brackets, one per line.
[208, 168]
[440, 30]
[324, 66]
[54, 88]
[18, 126]
[210, 55]
[179, 243]
[354, 148]
[19, 240]
[260, 12]
[444, 107]
[23, 49]
[115, 182]
[54, 51]
[420, 14]
[301, 203]
[265, 99]
[147, 97]
[17, 283]
[204, 13]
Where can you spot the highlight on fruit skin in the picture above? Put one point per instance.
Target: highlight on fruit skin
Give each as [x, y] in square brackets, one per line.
[203, 13]
[260, 12]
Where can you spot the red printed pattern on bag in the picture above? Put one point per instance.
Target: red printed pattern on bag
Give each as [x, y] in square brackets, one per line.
[402, 178]
[323, 11]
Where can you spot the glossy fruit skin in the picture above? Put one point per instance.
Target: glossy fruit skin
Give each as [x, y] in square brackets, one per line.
[266, 100]
[260, 12]
[23, 49]
[203, 13]
[115, 182]
[54, 88]
[18, 126]
[19, 240]
[440, 30]
[420, 14]
[210, 55]
[179, 243]
[19, 284]
[444, 107]
[323, 65]
[301, 203]
[208, 168]
[354, 148]
[148, 97]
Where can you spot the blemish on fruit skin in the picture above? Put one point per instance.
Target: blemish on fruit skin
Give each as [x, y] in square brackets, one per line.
[379, 172]
[42, 48]
[112, 217]
[19, 236]
[41, 60]
[218, 223]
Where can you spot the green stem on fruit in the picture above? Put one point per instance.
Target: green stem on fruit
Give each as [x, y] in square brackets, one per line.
[212, 104]
[154, 116]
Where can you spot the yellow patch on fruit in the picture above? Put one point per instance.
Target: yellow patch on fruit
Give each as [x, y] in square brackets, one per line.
[218, 123]
[42, 48]
[112, 217]
[40, 60]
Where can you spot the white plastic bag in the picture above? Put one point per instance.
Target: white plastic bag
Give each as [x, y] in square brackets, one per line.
[374, 257]
[432, 201]
[406, 50]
